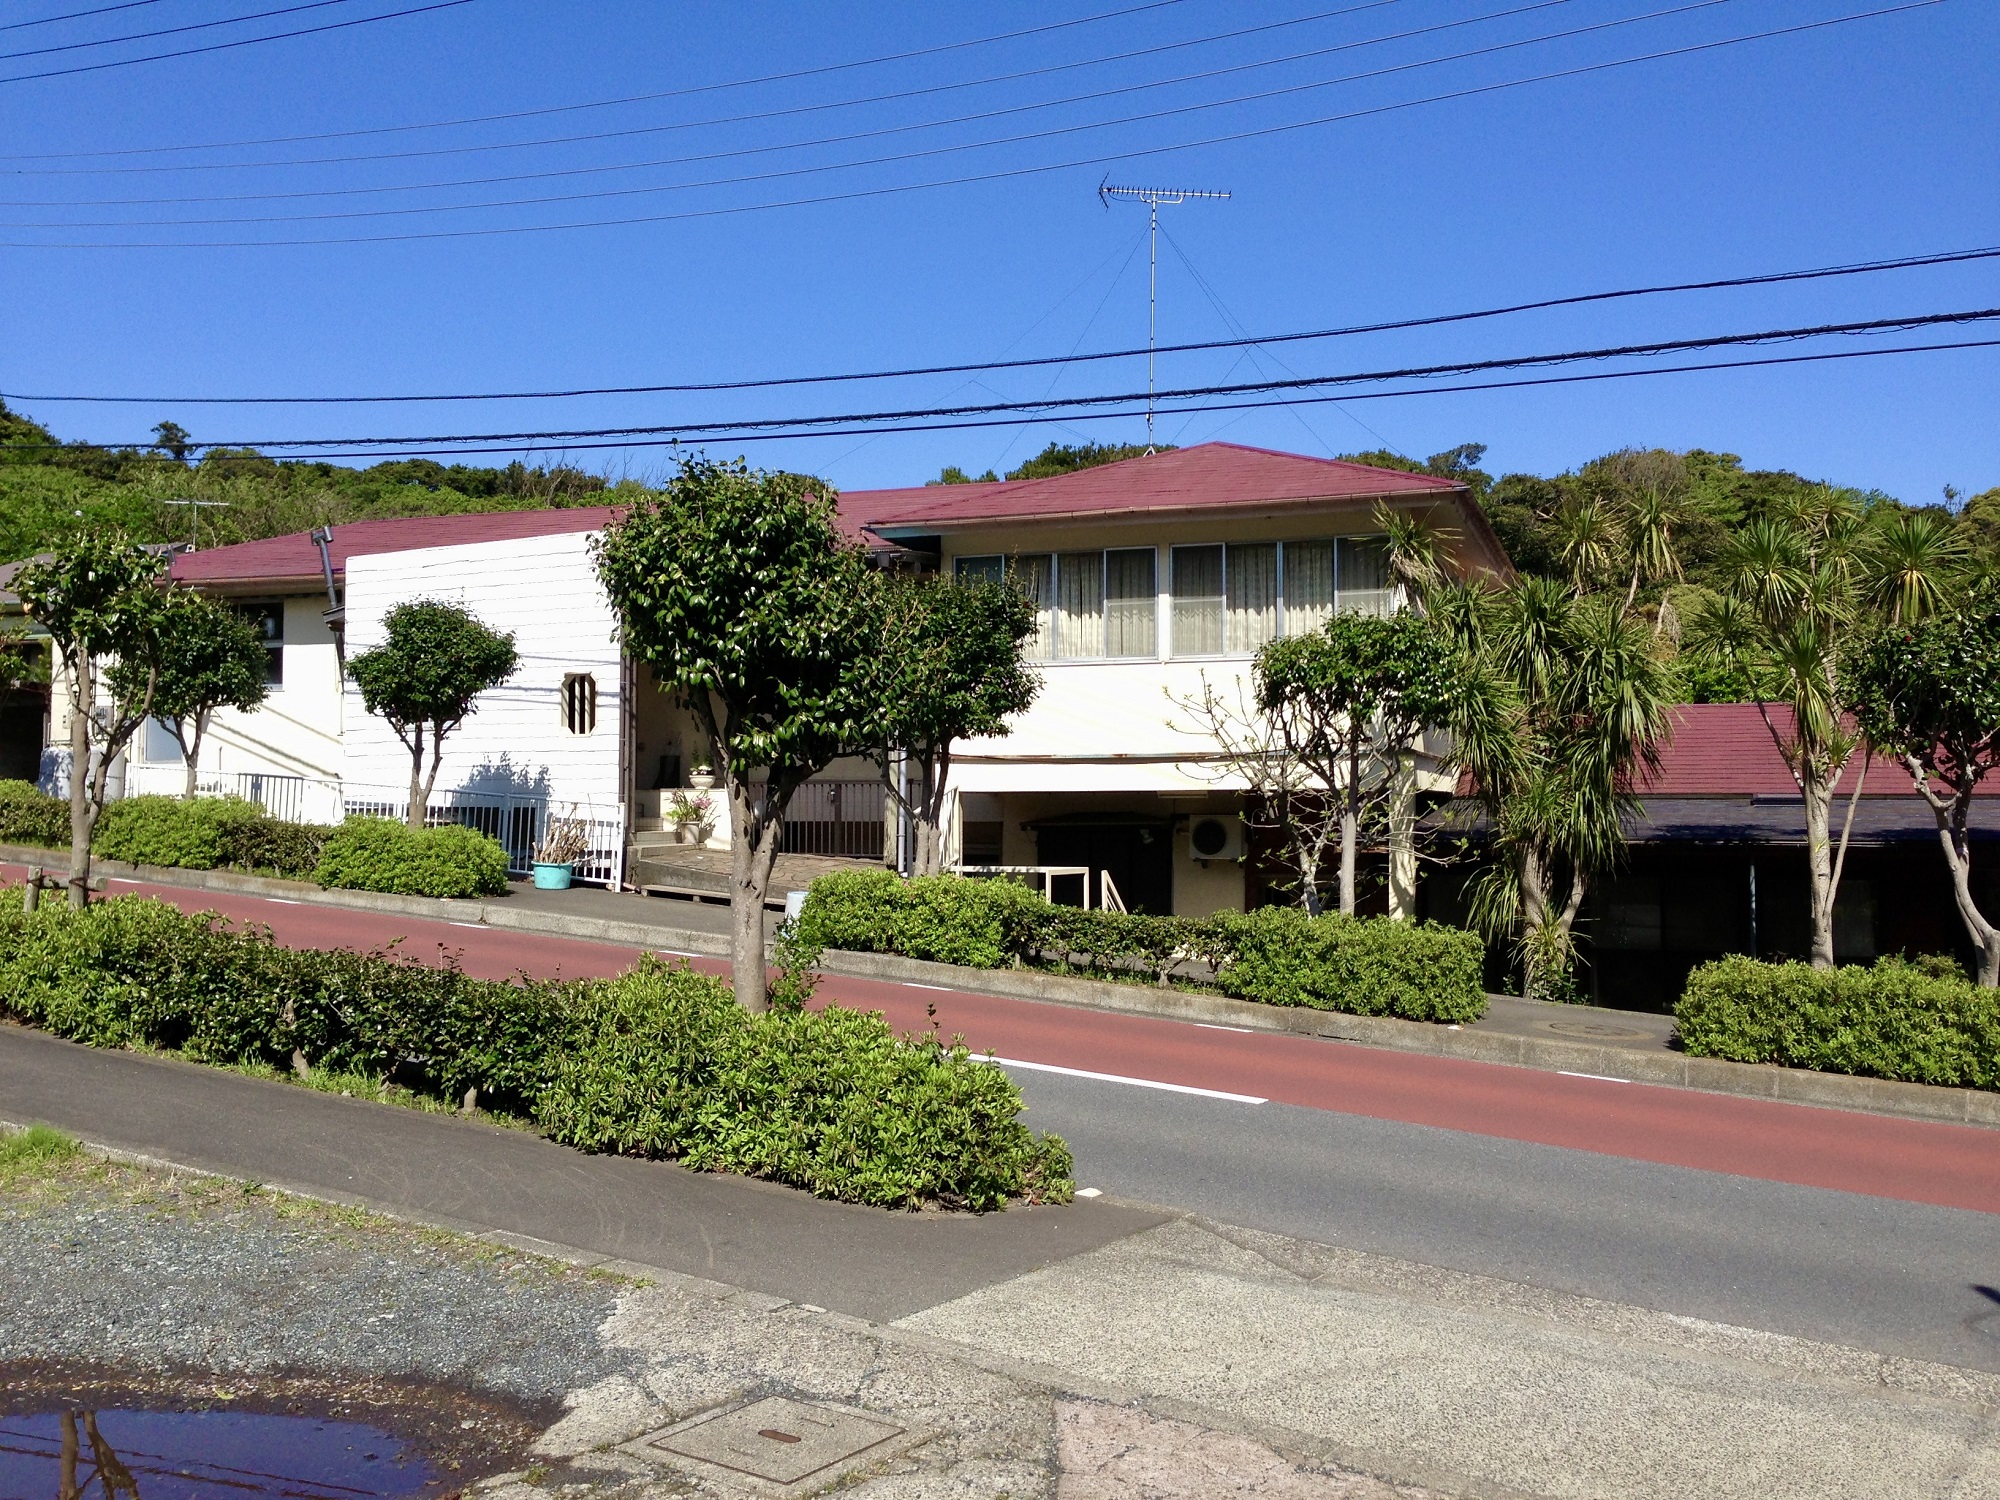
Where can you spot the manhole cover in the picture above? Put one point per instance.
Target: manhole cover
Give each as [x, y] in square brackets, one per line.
[777, 1440]
[1592, 1028]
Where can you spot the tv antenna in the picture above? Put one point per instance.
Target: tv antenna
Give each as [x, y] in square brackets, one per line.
[1152, 197]
[195, 508]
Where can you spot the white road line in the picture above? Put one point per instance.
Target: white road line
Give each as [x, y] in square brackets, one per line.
[121, 880]
[1211, 1026]
[1143, 1083]
[910, 984]
[1600, 1077]
[1090, 1192]
[475, 926]
[283, 901]
[676, 953]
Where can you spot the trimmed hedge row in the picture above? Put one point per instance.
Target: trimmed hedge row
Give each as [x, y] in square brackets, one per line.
[659, 1062]
[1917, 1022]
[211, 833]
[1372, 966]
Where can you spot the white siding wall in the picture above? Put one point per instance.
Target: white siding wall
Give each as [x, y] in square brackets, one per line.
[545, 591]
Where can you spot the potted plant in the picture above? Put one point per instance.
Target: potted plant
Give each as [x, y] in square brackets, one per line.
[690, 814]
[702, 776]
[564, 842]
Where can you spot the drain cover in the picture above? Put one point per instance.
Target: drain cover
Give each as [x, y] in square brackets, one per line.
[1590, 1028]
[777, 1440]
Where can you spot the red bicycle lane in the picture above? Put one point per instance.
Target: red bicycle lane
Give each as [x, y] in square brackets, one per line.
[1953, 1166]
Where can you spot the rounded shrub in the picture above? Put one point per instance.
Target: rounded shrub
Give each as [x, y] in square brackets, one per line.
[185, 833]
[30, 816]
[377, 854]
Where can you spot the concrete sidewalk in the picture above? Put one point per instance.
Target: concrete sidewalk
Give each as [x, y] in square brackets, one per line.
[1151, 1353]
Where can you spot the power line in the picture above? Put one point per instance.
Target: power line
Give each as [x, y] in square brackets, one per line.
[1308, 382]
[921, 154]
[77, 15]
[1768, 278]
[251, 41]
[759, 116]
[144, 36]
[698, 437]
[997, 175]
[561, 109]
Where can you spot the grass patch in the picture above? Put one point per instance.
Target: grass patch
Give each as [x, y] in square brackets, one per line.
[34, 1152]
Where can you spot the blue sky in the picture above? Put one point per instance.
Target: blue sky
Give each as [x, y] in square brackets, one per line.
[1859, 141]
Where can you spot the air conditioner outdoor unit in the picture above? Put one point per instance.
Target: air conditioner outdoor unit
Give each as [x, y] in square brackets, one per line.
[1216, 838]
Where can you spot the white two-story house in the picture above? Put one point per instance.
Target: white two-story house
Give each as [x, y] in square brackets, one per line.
[1150, 575]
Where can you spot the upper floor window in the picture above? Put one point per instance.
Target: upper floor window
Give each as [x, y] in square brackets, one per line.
[1089, 605]
[1230, 599]
[579, 702]
[268, 620]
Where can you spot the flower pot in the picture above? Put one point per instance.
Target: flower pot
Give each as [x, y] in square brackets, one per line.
[553, 877]
[703, 781]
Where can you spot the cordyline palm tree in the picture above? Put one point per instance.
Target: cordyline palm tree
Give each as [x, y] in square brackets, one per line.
[1803, 588]
[1563, 701]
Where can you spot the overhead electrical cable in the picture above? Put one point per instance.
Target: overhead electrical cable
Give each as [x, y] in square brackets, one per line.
[563, 109]
[757, 116]
[1578, 299]
[145, 36]
[1308, 382]
[996, 175]
[896, 158]
[697, 437]
[249, 41]
[77, 15]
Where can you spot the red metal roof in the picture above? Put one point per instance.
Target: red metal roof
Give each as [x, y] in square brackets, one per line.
[294, 558]
[1206, 475]
[1723, 750]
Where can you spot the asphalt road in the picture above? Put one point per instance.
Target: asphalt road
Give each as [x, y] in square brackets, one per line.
[1845, 1227]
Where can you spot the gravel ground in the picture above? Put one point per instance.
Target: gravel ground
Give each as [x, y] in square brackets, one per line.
[103, 1264]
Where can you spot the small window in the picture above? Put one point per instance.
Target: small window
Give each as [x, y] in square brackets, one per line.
[982, 569]
[579, 702]
[268, 620]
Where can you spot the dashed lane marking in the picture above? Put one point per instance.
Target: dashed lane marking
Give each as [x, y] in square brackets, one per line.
[1141, 1083]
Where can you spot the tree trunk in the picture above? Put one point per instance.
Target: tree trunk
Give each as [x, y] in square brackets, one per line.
[1403, 842]
[1951, 814]
[754, 834]
[1534, 916]
[81, 688]
[191, 749]
[419, 803]
[1819, 865]
[1350, 828]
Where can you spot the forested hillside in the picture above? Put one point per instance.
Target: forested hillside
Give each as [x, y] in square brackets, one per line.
[47, 485]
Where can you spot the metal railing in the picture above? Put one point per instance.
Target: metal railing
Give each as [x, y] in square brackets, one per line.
[295, 799]
[516, 823]
[1040, 878]
[842, 818]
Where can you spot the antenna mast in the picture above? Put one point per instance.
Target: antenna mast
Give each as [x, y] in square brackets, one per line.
[1152, 197]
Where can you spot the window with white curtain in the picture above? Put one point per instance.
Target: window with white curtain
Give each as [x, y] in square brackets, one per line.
[1079, 604]
[1230, 600]
[1131, 602]
[1198, 601]
[1253, 595]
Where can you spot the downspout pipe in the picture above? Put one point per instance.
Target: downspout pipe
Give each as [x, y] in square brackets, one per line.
[335, 616]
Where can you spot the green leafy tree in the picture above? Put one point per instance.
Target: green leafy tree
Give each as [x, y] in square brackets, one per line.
[98, 597]
[1929, 694]
[172, 439]
[1350, 701]
[1802, 589]
[950, 667]
[737, 588]
[208, 657]
[425, 679]
[1063, 458]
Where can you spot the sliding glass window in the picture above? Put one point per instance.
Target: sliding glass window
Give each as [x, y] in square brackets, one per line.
[1198, 601]
[1131, 602]
[1230, 600]
[1034, 575]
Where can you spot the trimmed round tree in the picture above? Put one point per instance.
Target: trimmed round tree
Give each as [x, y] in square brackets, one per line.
[208, 657]
[423, 680]
[1929, 694]
[738, 589]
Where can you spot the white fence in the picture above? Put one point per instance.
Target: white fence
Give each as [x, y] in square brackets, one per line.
[516, 822]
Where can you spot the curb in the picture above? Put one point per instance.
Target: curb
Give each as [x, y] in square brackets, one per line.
[1914, 1101]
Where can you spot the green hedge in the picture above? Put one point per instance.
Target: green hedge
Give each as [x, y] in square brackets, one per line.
[205, 833]
[27, 816]
[1420, 971]
[378, 854]
[1896, 1019]
[659, 1062]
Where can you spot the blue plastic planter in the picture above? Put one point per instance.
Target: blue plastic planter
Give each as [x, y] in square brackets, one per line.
[553, 877]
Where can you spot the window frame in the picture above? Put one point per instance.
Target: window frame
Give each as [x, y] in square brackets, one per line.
[570, 706]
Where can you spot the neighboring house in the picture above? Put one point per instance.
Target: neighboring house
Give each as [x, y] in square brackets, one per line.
[1716, 864]
[1150, 574]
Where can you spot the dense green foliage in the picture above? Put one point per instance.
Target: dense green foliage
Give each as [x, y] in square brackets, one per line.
[1057, 458]
[379, 854]
[207, 833]
[29, 816]
[1919, 1022]
[48, 486]
[1419, 971]
[659, 1062]
[207, 656]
